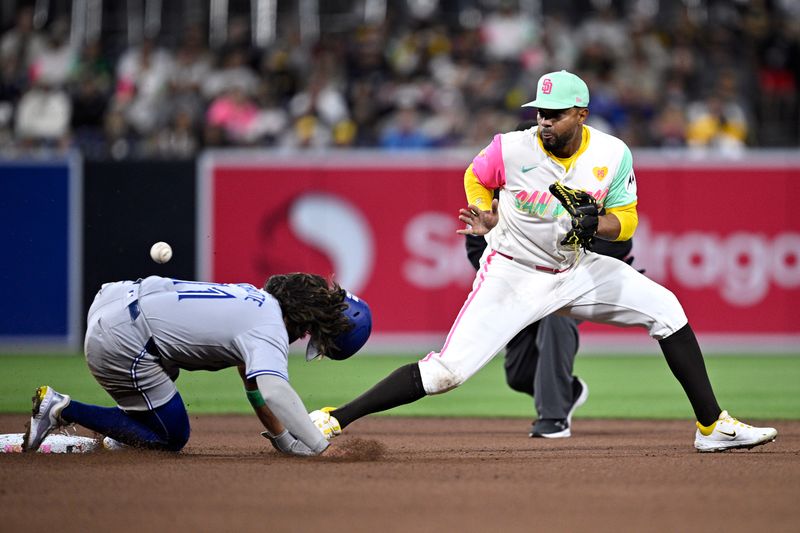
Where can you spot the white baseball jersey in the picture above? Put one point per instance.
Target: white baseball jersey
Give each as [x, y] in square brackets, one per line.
[526, 274]
[532, 222]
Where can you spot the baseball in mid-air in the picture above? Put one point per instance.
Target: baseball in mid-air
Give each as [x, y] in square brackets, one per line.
[161, 252]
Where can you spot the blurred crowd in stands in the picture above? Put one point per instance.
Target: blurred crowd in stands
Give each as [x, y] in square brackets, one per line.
[724, 80]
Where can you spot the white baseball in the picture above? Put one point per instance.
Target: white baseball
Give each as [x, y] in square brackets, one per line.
[161, 252]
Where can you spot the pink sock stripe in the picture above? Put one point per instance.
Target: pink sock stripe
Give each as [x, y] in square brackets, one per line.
[469, 300]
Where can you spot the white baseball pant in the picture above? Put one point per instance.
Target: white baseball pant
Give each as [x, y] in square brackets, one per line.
[507, 295]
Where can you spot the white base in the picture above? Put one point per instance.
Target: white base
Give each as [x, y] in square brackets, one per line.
[12, 443]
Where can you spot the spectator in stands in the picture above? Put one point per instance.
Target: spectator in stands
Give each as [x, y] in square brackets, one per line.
[272, 119]
[307, 131]
[404, 130]
[178, 139]
[232, 71]
[21, 44]
[235, 114]
[54, 62]
[11, 84]
[344, 134]
[604, 27]
[43, 116]
[719, 120]
[506, 34]
[321, 97]
[142, 81]
[283, 75]
[192, 66]
[347, 88]
[669, 126]
[778, 74]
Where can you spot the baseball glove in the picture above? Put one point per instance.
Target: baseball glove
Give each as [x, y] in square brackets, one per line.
[582, 207]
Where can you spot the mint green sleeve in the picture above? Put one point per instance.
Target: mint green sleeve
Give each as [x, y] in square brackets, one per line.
[623, 187]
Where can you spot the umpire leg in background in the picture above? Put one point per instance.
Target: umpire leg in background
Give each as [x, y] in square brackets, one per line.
[539, 362]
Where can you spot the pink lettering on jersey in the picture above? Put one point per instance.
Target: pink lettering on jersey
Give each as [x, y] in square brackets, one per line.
[541, 205]
[532, 202]
[600, 195]
[537, 202]
[488, 165]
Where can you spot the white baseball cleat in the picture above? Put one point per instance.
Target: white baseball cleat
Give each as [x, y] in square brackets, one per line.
[728, 433]
[47, 407]
[113, 445]
[326, 424]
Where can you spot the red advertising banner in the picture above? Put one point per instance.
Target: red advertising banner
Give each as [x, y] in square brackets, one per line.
[385, 227]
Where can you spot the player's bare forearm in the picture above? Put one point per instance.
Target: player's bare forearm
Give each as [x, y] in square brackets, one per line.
[478, 222]
[608, 227]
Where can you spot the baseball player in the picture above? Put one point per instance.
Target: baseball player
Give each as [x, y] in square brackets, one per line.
[140, 334]
[562, 184]
[540, 358]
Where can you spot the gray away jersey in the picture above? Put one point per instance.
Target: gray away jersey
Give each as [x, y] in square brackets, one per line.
[210, 326]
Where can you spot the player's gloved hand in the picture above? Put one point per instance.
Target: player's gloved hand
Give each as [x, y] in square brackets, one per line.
[285, 442]
[585, 213]
[583, 230]
[327, 424]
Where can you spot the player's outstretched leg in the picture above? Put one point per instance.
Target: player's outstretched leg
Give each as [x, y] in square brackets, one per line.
[45, 416]
[716, 429]
[402, 386]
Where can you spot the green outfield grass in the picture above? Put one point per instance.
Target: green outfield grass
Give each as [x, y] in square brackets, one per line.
[751, 387]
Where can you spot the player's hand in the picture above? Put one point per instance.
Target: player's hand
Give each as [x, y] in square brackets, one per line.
[326, 424]
[286, 443]
[478, 222]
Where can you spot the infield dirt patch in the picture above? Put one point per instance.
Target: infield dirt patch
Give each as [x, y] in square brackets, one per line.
[415, 475]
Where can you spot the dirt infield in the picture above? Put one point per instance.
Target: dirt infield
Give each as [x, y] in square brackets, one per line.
[415, 475]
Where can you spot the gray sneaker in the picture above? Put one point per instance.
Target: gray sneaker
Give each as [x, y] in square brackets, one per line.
[559, 428]
[47, 407]
[550, 428]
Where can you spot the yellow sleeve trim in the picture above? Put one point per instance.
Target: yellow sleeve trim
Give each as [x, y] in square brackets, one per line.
[628, 220]
[477, 194]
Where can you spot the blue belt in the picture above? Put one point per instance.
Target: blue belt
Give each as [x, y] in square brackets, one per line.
[134, 310]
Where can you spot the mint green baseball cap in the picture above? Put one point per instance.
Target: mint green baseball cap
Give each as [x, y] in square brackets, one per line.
[560, 90]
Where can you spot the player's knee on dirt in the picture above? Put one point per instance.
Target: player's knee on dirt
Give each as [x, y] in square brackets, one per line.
[175, 443]
[436, 377]
[173, 422]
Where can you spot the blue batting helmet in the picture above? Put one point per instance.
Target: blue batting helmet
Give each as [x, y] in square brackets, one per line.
[349, 342]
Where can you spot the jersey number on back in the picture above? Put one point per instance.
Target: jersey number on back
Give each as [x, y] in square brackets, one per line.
[209, 290]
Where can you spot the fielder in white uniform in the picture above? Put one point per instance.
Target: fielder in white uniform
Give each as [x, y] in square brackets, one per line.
[527, 274]
[141, 334]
